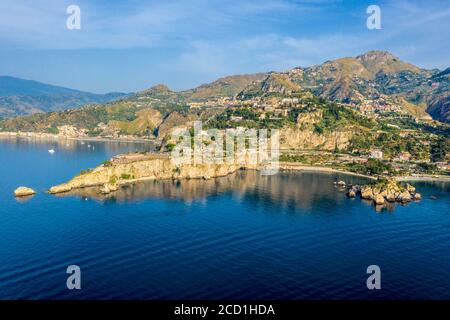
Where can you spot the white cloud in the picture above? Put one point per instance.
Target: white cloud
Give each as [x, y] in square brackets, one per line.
[266, 52]
[41, 24]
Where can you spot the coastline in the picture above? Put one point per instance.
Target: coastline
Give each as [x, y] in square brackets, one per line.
[38, 135]
[424, 178]
[300, 167]
[283, 166]
[159, 167]
[292, 166]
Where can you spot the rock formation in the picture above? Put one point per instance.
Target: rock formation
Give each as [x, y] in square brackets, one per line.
[157, 166]
[385, 190]
[379, 199]
[109, 187]
[23, 192]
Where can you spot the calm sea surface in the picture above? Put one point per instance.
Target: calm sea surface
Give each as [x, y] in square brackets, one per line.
[246, 236]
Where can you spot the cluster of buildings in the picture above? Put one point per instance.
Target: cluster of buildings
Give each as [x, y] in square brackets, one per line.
[374, 106]
[254, 102]
[216, 102]
[270, 108]
[403, 156]
[69, 131]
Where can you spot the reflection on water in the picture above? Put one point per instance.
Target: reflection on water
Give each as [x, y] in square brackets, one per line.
[76, 145]
[292, 189]
[24, 199]
[286, 189]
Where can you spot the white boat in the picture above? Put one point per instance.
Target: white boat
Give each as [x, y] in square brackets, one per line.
[51, 151]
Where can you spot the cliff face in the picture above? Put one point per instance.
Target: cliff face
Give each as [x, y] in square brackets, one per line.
[303, 135]
[308, 139]
[156, 167]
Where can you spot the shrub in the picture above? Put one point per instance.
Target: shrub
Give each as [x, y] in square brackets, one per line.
[107, 163]
[170, 147]
[86, 171]
[126, 176]
[439, 149]
[113, 180]
[52, 130]
[429, 168]
[375, 166]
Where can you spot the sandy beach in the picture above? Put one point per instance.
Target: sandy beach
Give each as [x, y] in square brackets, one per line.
[300, 167]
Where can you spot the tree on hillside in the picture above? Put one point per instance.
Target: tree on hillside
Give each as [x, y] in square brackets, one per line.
[439, 150]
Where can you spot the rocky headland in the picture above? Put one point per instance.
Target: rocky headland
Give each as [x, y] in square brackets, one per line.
[129, 168]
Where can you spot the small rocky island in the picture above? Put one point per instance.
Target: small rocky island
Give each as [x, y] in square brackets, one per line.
[382, 191]
[24, 192]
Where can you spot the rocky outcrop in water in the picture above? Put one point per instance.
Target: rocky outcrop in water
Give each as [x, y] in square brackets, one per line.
[384, 191]
[24, 192]
[109, 187]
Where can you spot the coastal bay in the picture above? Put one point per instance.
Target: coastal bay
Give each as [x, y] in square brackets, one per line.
[198, 239]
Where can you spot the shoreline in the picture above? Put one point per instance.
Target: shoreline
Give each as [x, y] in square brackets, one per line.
[283, 166]
[424, 178]
[287, 166]
[37, 135]
[292, 166]
[161, 168]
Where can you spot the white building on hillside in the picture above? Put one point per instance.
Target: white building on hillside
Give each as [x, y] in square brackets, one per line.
[376, 154]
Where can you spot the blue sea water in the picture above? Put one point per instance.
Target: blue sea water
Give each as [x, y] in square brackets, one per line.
[246, 236]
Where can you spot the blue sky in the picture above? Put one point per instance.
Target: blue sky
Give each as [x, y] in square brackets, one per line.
[131, 45]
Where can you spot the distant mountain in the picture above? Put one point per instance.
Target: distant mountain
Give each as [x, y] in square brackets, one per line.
[379, 75]
[375, 79]
[23, 97]
[161, 92]
[223, 87]
[272, 83]
[383, 61]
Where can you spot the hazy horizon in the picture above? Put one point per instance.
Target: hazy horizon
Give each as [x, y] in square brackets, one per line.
[177, 90]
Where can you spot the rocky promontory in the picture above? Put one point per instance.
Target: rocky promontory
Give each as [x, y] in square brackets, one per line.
[129, 168]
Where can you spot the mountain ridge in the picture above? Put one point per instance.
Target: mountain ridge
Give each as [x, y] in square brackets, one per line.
[376, 76]
[372, 78]
[22, 97]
